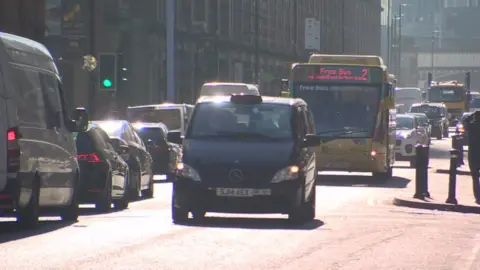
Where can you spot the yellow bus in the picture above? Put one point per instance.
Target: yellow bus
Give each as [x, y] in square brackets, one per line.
[352, 101]
[454, 95]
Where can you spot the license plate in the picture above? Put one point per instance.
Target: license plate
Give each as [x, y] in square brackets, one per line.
[242, 192]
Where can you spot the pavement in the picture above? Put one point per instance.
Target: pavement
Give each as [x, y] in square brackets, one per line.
[438, 181]
[356, 227]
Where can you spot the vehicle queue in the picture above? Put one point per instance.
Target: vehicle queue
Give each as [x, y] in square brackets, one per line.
[233, 151]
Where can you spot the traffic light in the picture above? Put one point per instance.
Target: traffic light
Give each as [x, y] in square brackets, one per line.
[108, 71]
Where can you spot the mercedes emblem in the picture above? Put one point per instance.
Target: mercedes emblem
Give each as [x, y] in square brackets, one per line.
[235, 176]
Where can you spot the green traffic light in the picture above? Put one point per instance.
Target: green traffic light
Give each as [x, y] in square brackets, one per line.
[107, 83]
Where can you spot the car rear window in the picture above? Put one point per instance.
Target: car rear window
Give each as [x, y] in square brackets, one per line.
[155, 135]
[84, 143]
[171, 117]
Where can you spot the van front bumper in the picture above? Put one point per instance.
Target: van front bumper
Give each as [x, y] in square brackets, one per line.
[284, 198]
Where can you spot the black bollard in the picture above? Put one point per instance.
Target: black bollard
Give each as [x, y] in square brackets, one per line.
[419, 173]
[425, 156]
[458, 145]
[452, 181]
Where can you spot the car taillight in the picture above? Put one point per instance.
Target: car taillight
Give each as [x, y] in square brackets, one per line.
[11, 135]
[13, 151]
[91, 158]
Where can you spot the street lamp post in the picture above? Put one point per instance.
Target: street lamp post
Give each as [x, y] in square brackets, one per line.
[389, 32]
[170, 16]
[395, 44]
[432, 56]
[400, 41]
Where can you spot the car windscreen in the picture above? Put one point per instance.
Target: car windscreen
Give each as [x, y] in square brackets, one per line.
[171, 117]
[112, 128]
[446, 94]
[475, 103]
[429, 111]
[151, 134]
[241, 121]
[404, 122]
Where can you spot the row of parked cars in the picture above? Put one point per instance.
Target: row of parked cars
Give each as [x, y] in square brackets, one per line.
[422, 122]
[118, 160]
[52, 159]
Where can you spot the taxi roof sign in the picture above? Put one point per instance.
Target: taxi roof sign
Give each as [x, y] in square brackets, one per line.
[246, 99]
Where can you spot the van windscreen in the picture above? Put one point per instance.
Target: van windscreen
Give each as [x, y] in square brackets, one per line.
[226, 90]
[171, 117]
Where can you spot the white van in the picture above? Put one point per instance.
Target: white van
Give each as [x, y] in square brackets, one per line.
[228, 88]
[174, 116]
[407, 96]
[38, 156]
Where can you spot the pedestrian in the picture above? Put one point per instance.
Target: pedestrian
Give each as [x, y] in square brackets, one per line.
[472, 126]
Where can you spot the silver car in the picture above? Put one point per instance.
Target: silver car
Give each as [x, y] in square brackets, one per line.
[423, 122]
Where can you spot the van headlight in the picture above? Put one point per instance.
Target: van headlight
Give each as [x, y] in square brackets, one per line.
[286, 174]
[186, 171]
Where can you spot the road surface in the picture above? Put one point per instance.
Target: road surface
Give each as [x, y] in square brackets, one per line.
[356, 228]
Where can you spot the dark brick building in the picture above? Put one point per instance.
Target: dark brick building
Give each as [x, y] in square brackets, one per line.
[232, 40]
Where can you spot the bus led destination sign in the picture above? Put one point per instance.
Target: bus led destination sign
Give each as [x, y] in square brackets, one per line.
[347, 74]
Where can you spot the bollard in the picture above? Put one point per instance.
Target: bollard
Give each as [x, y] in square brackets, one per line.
[458, 145]
[419, 173]
[426, 157]
[452, 180]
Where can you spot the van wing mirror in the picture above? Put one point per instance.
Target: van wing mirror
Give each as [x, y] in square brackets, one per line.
[80, 119]
[312, 140]
[175, 137]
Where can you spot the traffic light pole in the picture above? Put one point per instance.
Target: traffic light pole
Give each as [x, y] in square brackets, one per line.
[170, 67]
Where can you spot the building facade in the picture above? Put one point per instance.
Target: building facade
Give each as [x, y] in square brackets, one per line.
[443, 37]
[253, 41]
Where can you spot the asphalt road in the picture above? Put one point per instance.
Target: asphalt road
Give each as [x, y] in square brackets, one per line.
[356, 228]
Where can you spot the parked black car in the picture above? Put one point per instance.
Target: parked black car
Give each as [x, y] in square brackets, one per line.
[165, 154]
[139, 160]
[104, 174]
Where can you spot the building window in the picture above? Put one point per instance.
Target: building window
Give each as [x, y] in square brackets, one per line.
[199, 10]
[184, 14]
[457, 3]
[247, 24]
[237, 14]
[224, 18]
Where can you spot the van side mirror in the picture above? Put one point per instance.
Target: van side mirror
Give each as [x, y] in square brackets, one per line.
[311, 140]
[424, 95]
[80, 119]
[175, 137]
